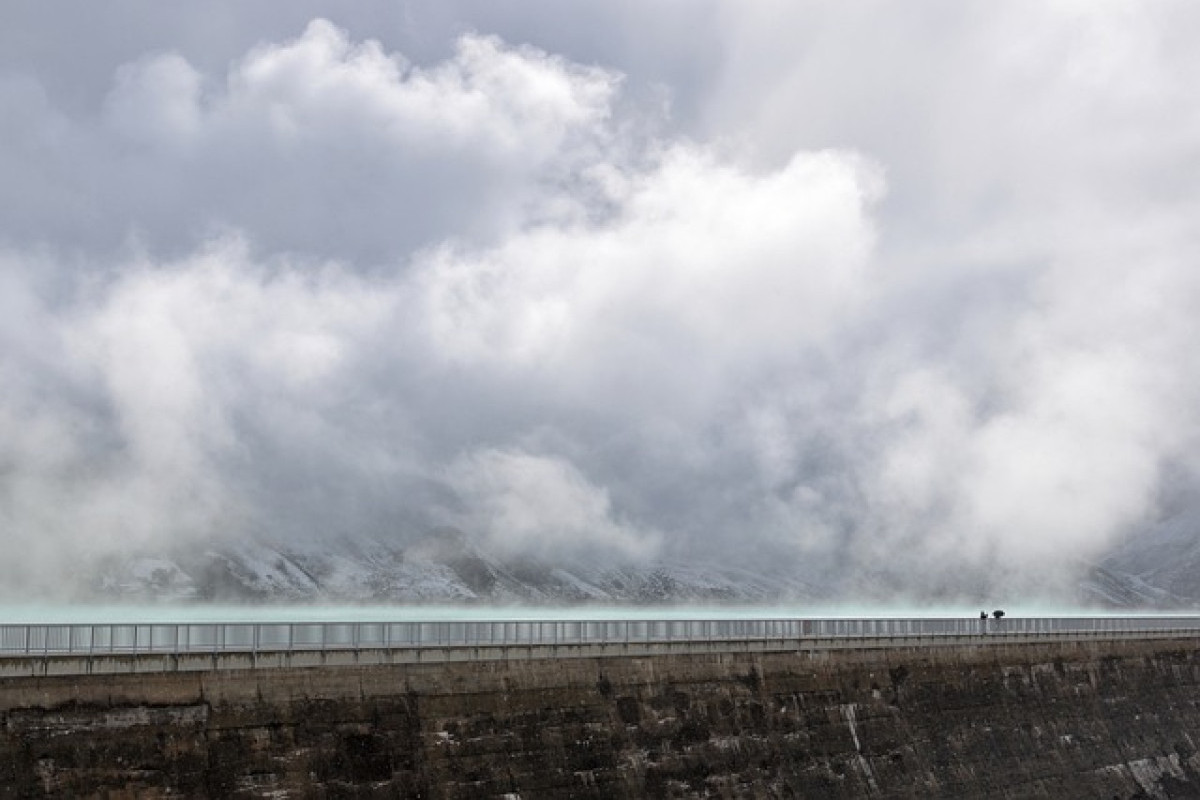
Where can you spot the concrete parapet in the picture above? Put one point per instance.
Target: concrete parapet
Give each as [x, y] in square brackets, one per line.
[118, 663]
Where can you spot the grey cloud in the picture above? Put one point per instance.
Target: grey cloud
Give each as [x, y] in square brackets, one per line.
[317, 145]
[900, 293]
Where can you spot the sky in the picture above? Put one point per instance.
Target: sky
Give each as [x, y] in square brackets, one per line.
[906, 291]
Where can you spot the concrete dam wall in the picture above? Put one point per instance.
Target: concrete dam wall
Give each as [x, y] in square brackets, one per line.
[1069, 719]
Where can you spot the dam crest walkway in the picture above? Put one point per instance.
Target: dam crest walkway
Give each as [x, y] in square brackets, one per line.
[70, 649]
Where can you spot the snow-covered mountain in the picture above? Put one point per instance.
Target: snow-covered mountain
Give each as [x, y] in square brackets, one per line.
[1116, 589]
[441, 568]
[1157, 569]
[1164, 556]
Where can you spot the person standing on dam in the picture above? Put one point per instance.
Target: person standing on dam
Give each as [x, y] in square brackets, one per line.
[983, 618]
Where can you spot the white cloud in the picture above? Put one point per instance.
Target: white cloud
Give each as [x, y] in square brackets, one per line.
[512, 106]
[702, 271]
[528, 504]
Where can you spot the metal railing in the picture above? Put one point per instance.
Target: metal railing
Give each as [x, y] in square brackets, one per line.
[263, 637]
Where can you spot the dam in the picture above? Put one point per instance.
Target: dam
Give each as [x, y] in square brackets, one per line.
[918, 707]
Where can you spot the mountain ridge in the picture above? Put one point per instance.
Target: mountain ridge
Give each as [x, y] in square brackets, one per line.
[446, 567]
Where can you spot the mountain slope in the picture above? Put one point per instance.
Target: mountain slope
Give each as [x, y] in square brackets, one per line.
[441, 568]
[1159, 569]
[1164, 555]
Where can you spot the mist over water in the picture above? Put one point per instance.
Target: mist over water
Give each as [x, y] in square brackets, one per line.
[902, 300]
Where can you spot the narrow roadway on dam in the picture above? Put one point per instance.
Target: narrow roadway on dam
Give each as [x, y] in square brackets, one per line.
[65, 648]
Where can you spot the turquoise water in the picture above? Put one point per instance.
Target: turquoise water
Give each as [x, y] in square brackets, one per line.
[196, 613]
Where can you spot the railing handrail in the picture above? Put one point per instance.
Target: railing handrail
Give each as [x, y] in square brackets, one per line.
[1192, 618]
[64, 638]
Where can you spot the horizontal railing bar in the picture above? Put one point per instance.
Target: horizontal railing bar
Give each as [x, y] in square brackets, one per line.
[202, 637]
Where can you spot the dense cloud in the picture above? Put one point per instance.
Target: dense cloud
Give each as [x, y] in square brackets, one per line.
[315, 145]
[908, 293]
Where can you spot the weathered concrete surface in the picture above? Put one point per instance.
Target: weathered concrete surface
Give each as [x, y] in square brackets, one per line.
[1090, 719]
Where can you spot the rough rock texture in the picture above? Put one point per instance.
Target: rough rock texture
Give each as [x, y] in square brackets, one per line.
[1083, 720]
